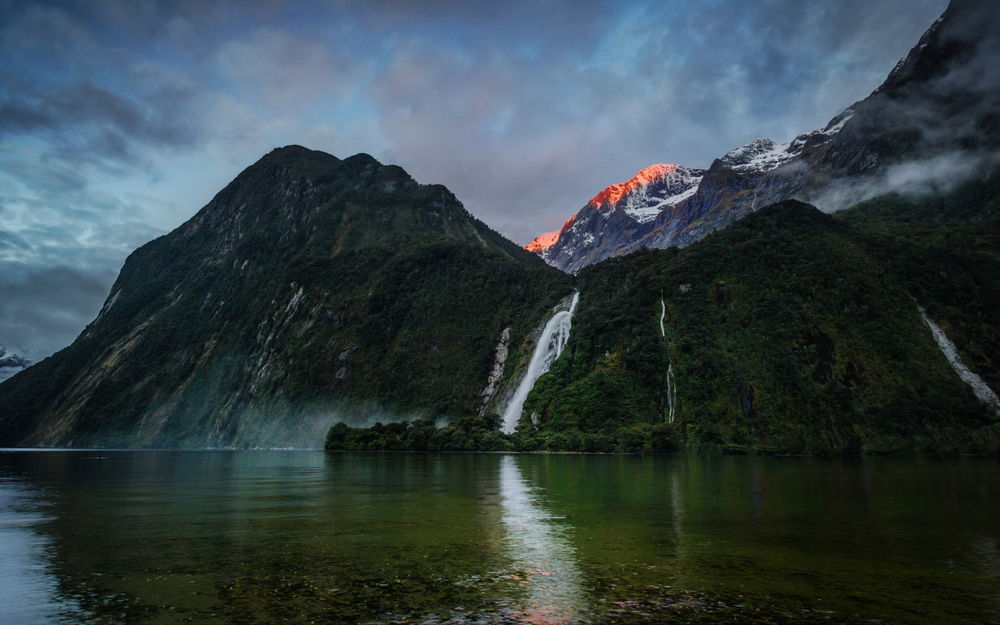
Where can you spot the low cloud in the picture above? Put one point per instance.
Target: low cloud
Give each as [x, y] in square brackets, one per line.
[937, 175]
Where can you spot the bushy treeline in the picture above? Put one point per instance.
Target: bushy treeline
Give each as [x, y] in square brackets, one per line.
[482, 433]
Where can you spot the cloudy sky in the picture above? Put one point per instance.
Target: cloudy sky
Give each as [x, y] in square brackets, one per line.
[119, 119]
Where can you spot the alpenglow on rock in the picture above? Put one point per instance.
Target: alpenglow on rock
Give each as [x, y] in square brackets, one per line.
[616, 215]
[930, 123]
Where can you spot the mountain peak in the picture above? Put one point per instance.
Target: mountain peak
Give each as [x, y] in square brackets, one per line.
[294, 151]
[361, 158]
[542, 241]
[294, 158]
[614, 193]
[288, 300]
[546, 240]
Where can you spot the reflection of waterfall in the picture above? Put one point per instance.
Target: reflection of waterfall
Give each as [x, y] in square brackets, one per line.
[983, 392]
[550, 345]
[671, 382]
[543, 558]
[671, 393]
[679, 511]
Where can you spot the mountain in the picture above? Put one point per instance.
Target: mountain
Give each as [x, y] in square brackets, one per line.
[310, 289]
[789, 331]
[932, 122]
[616, 216]
[314, 290]
[11, 363]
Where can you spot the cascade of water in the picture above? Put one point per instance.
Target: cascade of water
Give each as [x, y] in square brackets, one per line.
[983, 392]
[671, 383]
[550, 345]
[671, 393]
[663, 313]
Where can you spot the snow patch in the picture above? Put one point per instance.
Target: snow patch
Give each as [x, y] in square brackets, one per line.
[765, 155]
[645, 202]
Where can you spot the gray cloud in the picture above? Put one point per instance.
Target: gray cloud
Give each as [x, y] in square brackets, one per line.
[118, 115]
[50, 305]
[10, 240]
[524, 140]
[940, 174]
[85, 122]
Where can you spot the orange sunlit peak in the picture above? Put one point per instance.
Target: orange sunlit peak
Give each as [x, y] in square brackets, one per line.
[614, 193]
[543, 241]
[547, 240]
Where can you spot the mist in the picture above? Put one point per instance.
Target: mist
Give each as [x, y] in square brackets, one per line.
[937, 175]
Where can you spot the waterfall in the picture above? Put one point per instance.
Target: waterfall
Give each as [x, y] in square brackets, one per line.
[671, 393]
[983, 392]
[671, 382]
[550, 345]
[663, 313]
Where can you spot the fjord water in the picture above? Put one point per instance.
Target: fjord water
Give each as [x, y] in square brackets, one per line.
[302, 536]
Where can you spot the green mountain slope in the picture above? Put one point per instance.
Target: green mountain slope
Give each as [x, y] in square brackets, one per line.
[790, 330]
[946, 250]
[309, 289]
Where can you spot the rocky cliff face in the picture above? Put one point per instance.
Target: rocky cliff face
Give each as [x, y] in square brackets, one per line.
[309, 289]
[933, 123]
[616, 216]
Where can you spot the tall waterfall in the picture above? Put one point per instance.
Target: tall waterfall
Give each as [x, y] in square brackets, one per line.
[984, 393]
[550, 345]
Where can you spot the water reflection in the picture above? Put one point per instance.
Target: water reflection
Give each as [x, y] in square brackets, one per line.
[26, 591]
[295, 537]
[544, 561]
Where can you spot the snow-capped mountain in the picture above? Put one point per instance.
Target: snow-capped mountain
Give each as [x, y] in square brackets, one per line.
[656, 200]
[616, 214]
[11, 363]
[763, 155]
[939, 102]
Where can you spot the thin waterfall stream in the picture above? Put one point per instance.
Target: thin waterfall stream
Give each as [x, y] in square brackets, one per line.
[983, 393]
[550, 345]
[671, 383]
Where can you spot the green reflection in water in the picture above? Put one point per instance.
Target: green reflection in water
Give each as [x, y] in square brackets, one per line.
[272, 537]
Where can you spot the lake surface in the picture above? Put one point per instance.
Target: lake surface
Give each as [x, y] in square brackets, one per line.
[307, 536]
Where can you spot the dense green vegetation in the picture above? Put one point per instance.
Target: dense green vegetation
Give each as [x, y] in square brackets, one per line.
[786, 333]
[482, 433]
[789, 331]
[945, 250]
[313, 290]
[309, 289]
